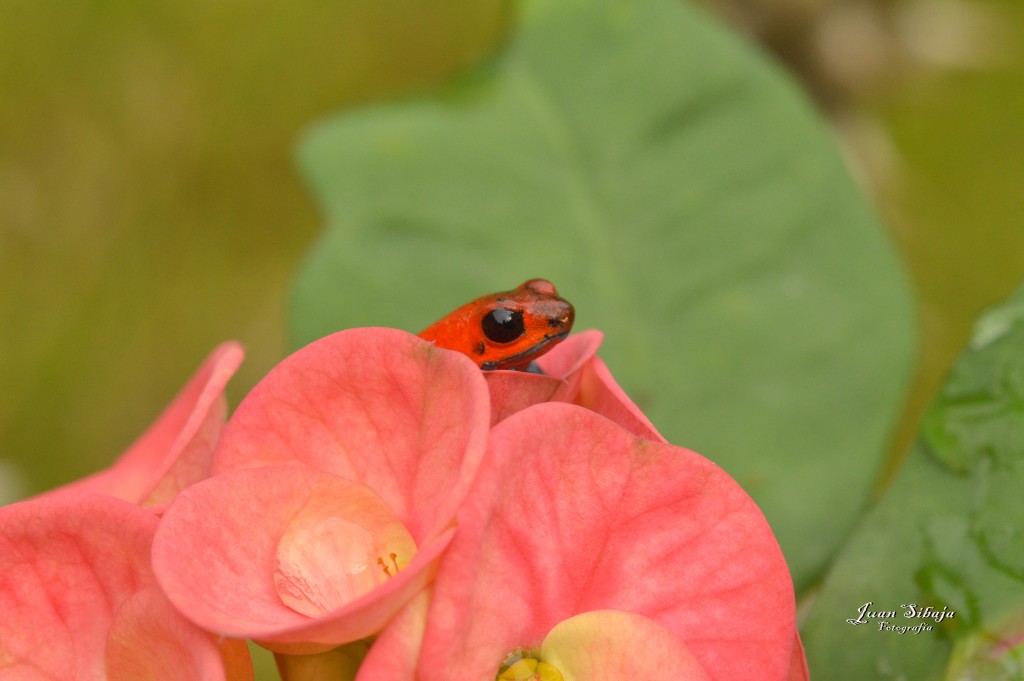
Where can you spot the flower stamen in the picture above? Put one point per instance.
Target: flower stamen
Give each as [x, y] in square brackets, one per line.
[385, 567]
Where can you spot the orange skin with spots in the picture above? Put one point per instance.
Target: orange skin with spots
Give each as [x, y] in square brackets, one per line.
[523, 324]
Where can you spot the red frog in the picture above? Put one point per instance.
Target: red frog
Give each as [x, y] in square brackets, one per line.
[506, 330]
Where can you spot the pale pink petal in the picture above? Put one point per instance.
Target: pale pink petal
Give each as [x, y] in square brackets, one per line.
[598, 392]
[150, 640]
[610, 645]
[571, 513]
[177, 449]
[395, 652]
[71, 569]
[379, 406]
[255, 554]
[513, 391]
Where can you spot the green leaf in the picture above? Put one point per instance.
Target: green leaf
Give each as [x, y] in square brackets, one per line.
[684, 196]
[948, 534]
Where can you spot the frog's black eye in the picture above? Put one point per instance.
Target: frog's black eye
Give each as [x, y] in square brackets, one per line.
[503, 326]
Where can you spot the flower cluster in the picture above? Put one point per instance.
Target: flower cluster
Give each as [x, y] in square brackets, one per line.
[377, 508]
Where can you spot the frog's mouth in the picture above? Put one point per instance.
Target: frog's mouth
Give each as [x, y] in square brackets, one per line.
[525, 355]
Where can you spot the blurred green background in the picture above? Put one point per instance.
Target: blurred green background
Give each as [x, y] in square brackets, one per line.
[149, 206]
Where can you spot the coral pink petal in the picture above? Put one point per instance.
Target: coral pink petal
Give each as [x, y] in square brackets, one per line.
[380, 406]
[572, 513]
[610, 645]
[513, 391]
[255, 553]
[395, 652]
[68, 564]
[177, 449]
[150, 640]
[798, 664]
[599, 393]
[569, 356]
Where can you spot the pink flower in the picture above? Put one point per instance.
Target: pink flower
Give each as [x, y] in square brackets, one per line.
[603, 554]
[337, 482]
[572, 373]
[79, 600]
[513, 391]
[177, 450]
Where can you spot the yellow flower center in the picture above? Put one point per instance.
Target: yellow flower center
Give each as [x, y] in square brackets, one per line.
[341, 544]
[524, 665]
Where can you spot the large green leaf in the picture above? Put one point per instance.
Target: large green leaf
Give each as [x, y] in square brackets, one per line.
[684, 196]
[948, 534]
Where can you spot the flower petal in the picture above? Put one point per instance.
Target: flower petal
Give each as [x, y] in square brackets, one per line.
[149, 639]
[177, 449]
[571, 513]
[609, 645]
[572, 373]
[396, 650]
[513, 391]
[798, 665]
[248, 554]
[598, 392]
[569, 356]
[71, 567]
[379, 406]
